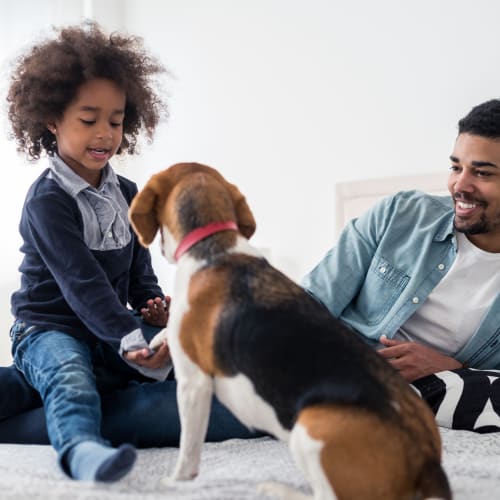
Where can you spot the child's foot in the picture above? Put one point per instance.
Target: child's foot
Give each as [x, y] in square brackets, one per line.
[92, 461]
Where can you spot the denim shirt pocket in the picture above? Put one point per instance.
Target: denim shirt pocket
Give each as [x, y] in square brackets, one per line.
[383, 285]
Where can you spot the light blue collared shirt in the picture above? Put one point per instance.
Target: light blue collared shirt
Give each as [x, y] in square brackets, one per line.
[385, 265]
[104, 209]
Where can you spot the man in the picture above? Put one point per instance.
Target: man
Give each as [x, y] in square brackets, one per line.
[418, 276]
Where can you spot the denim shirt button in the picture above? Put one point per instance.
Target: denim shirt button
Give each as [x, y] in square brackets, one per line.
[415, 300]
[382, 269]
[441, 267]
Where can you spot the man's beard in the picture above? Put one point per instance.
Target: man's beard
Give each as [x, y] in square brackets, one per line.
[479, 227]
[482, 226]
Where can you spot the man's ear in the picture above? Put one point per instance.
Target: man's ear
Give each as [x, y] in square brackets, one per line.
[142, 215]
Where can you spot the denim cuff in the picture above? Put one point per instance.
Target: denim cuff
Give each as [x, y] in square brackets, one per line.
[135, 341]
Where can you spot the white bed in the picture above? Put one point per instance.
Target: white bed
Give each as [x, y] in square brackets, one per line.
[232, 470]
[229, 471]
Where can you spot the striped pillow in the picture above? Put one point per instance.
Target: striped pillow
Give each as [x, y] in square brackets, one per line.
[466, 398]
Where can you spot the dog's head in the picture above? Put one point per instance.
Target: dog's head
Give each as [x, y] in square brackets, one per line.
[182, 198]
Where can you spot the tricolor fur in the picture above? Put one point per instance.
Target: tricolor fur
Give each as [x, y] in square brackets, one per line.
[277, 358]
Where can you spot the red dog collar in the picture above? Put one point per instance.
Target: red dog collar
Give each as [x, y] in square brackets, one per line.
[201, 233]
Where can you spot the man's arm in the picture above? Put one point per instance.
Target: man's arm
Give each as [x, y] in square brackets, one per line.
[336, 280]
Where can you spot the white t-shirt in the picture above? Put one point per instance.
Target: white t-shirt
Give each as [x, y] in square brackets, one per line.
[454, 309]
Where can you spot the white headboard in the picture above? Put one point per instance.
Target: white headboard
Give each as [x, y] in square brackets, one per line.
[355, 197]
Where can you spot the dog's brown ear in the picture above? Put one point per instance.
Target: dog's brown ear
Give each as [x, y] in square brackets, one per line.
[244, 216]
[142, 215]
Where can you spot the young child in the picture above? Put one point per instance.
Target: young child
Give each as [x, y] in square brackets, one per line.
[81, 98]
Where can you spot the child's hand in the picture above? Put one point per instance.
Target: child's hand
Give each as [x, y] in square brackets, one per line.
[156, 311]
[150, 359]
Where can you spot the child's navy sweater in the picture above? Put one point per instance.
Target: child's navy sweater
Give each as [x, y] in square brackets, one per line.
[68, 287]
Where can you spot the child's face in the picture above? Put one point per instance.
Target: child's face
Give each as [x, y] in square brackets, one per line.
[90, 131]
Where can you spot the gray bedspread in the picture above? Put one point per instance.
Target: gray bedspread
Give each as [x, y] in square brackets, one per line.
[229, 471]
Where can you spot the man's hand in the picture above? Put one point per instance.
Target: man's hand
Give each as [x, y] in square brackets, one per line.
[143, 357]
[414, 360]
[156, 311]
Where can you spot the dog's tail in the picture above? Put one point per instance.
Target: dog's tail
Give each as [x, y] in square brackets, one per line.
[432, 483]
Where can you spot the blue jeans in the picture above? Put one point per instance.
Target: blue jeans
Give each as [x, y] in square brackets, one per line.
[134, 409]
[60, 368]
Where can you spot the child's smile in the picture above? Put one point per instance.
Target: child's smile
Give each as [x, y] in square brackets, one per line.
[100, 154]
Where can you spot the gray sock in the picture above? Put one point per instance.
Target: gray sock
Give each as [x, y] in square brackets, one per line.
[92, 461]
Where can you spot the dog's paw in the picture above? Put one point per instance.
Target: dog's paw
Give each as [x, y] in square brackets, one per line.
[170, 481]
[167, 482]
[158, 339]
[281, 491]
[184, 476]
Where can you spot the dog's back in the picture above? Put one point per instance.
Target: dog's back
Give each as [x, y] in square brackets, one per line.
[282, 349]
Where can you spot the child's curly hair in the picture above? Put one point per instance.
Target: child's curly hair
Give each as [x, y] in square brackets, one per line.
[46, 80]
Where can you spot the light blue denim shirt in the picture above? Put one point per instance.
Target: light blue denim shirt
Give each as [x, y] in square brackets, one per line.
[387, 262]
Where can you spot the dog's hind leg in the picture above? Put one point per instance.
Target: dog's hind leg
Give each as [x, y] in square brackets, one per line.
[307, 454]
[194, 398]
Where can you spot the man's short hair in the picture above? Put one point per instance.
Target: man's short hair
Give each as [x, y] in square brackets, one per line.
[482, 120]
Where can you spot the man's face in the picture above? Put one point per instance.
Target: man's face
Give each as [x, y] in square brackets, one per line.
[474, 184]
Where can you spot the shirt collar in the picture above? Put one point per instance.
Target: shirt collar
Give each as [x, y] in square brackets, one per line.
[72, 182]
[447, 229]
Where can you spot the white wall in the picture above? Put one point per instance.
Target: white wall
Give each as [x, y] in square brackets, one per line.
[285, 98]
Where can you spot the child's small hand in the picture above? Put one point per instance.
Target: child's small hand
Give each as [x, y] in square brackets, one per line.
[156, 311]
[150, 359]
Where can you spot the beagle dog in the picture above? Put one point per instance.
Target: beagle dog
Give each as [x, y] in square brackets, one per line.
[275, 356]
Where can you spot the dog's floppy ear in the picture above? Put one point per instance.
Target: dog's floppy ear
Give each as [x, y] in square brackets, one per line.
[244, 216]
[142, 214]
